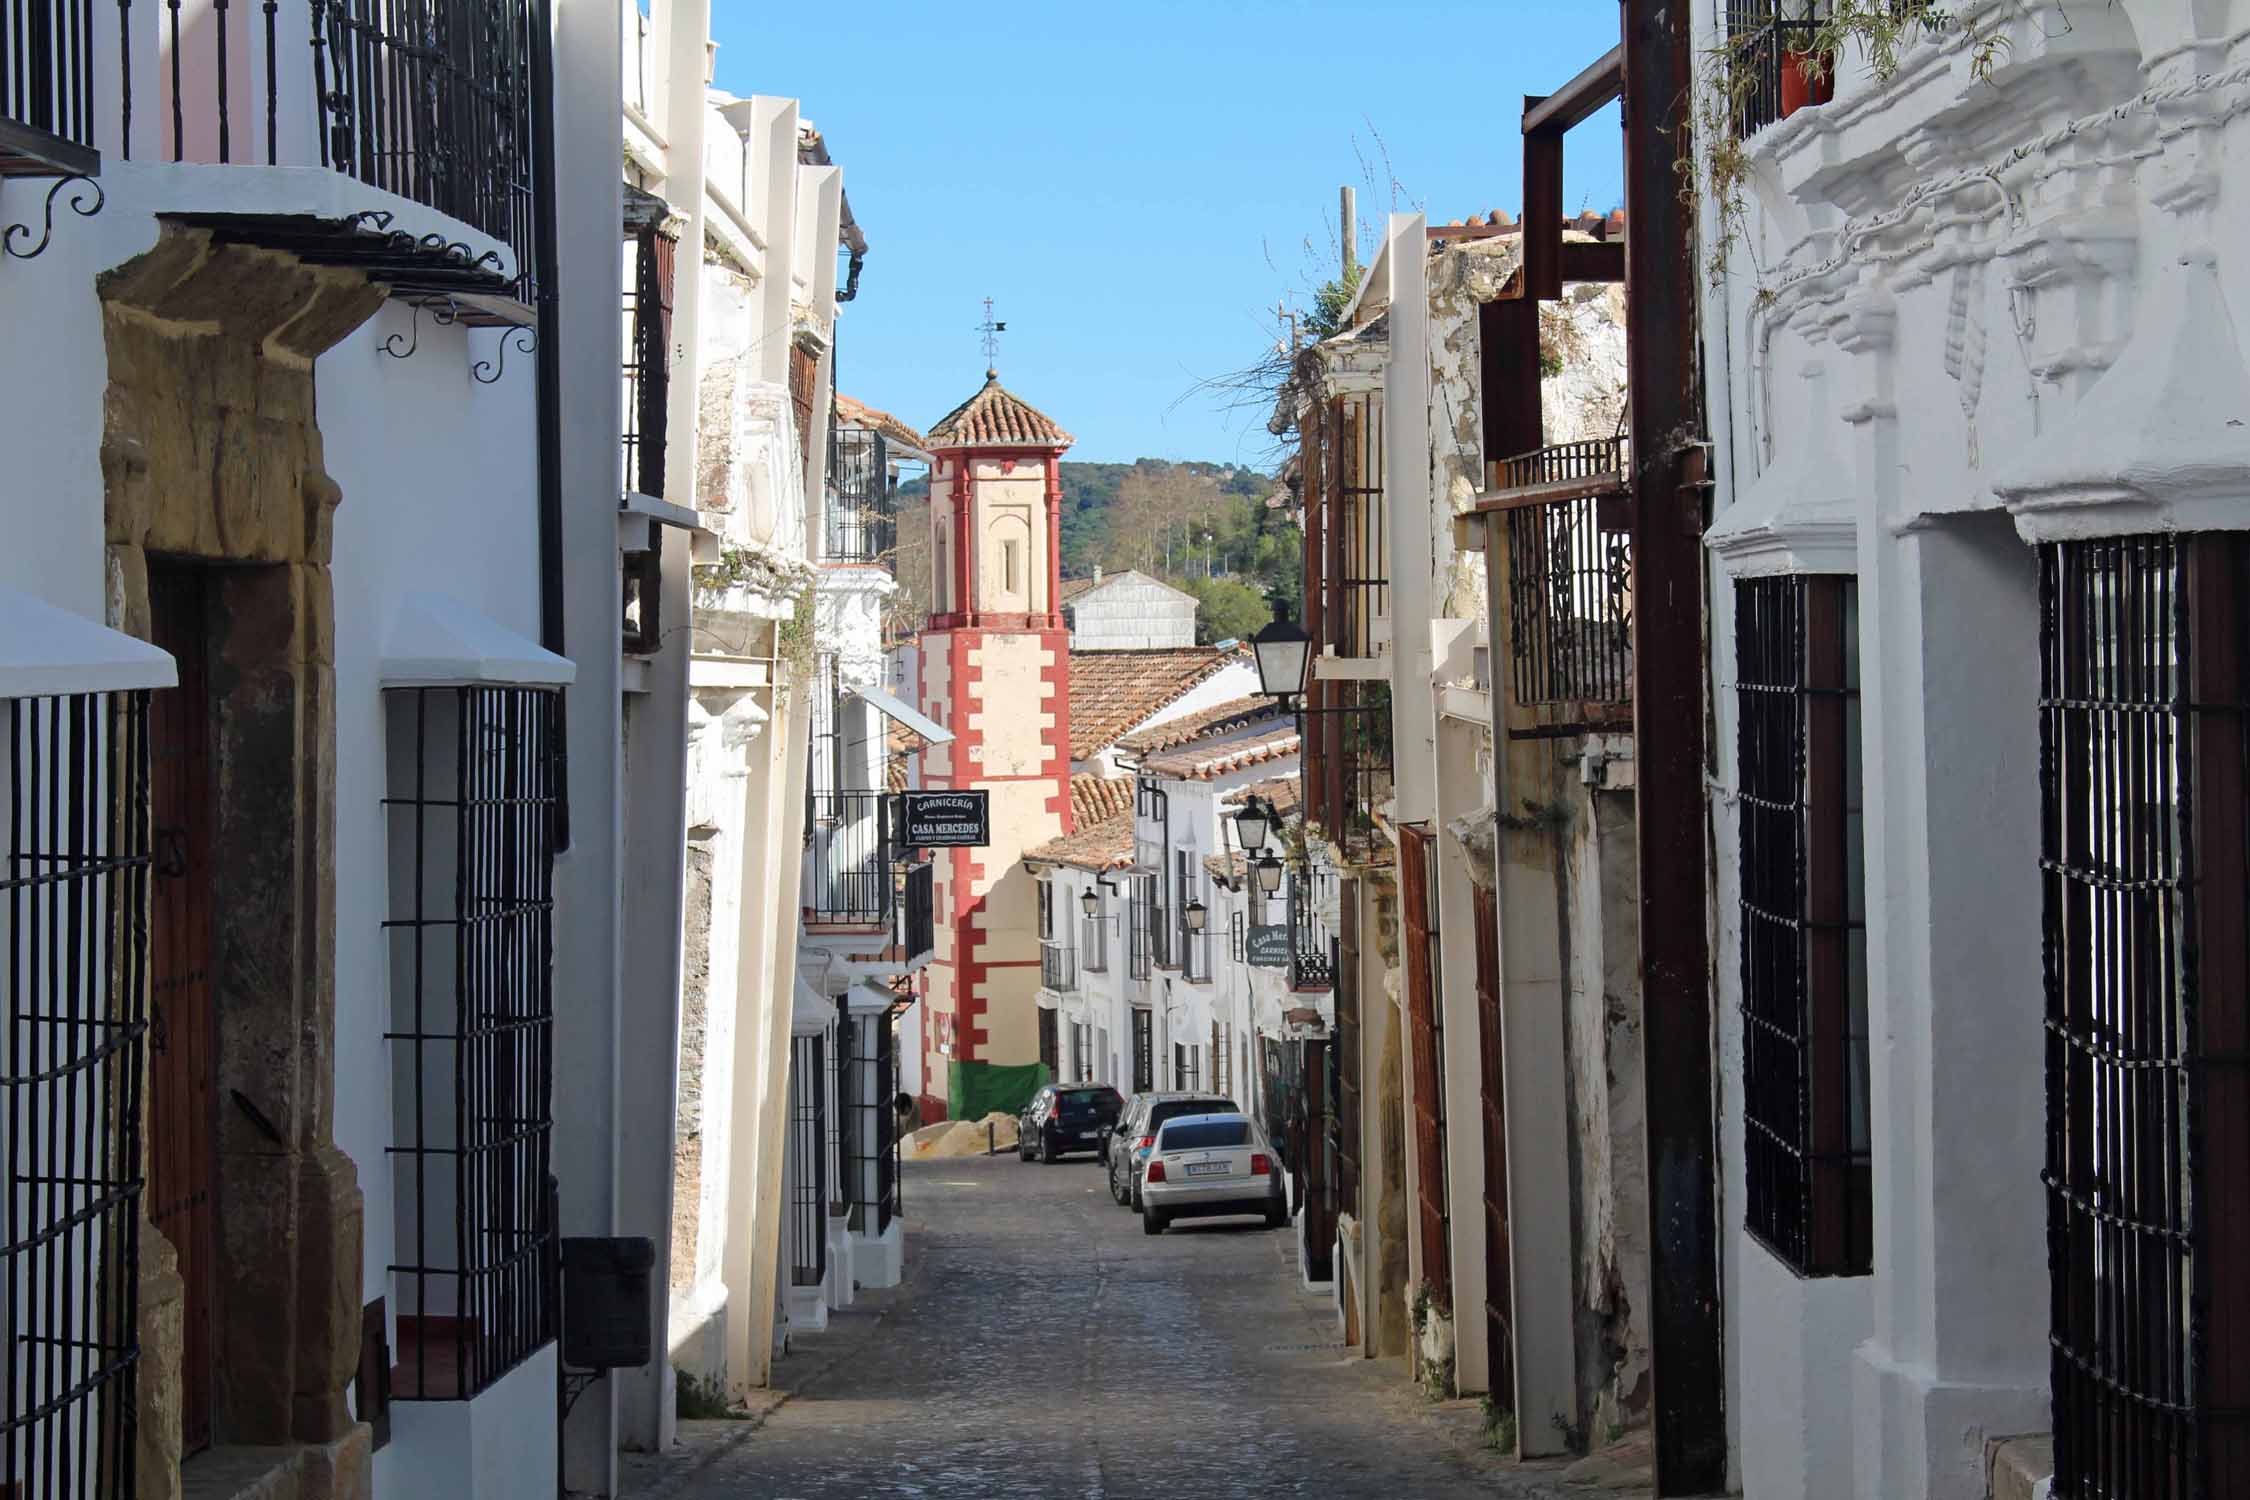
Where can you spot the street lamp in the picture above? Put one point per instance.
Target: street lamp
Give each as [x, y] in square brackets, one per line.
[1194, 914]
[1269, 875]
[1089, 903]
[1283, 652]
[1252, 824]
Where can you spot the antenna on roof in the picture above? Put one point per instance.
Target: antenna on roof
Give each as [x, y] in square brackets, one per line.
[991, 332]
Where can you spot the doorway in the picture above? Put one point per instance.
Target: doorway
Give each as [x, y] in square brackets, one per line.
[183, 1019]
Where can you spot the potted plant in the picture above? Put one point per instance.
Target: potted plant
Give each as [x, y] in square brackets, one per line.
[1808, 76]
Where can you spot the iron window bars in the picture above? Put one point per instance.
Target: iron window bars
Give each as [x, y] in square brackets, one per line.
[1312, 948]
[808, 1161]
[648, 364]
[1570, 585]
[866, 1080]
[849, 879]
[1144, 1051]
[1804, 960]
[1425, 1016]
[476, 778]
[76, 892]
[1193, 948]
[1058, 966]
[886, 1123]
[1145, 921]
[1345, 524]
[1186, 1068]
[2144, 650]
[860, 522]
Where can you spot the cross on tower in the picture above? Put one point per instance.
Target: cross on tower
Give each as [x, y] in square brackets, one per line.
[991, 332]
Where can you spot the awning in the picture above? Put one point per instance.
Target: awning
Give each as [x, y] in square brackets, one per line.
[437, 641]
[891, 708]
[45, 651]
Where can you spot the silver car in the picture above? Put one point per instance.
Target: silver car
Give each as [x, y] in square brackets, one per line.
[1125, 1150]
[1207, 1166]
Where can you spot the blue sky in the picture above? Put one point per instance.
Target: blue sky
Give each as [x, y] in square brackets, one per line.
[1136, 185]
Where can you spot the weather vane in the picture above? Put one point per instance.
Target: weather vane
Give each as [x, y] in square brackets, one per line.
[991, 332]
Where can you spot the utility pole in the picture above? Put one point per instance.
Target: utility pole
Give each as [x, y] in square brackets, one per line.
[1347, 217]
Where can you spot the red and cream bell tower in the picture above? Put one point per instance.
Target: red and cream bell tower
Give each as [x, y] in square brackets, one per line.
[996, 672]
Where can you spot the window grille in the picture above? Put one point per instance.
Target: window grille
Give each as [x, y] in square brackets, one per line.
[917, 918]
[1571, 590]
[476, 791]
[74, 896]
[1425, 1013]
[1185, 1067]
[1144, 921]
[887, 1123]
[2145, 647]
[1804, 960]
[1344, 1091]
[1080, 1066]
[1144, 1052]
[808, 1161]
[1312, 948]
[648, 343]
[1058, 967]
[849, 879]
[1193, 948]
[860, 523]
[1237, 938]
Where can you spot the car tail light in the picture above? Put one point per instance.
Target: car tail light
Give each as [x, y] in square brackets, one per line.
[1259, 1166]
[1156, 1171]
[1147, 1141]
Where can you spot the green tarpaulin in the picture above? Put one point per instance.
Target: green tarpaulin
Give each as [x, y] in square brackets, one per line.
[975, 1089]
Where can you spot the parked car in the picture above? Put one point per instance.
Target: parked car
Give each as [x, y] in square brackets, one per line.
[1135, 1133]
[1064, 1117]
[1208, 1166]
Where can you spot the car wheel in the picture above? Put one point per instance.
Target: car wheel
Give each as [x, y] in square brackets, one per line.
[1046, 1149]
[1276, 1215]
[1152, 1221]
[1023, 1145]
[1138, 1204]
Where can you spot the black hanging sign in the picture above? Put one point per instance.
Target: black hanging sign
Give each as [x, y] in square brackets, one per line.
[945, 820]
[1268, 947]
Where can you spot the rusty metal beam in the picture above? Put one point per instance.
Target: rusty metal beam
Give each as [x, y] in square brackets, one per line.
[1508, 377]
[1596, 85]
[1542, 211]
[1685, 1316]
[1604, 261]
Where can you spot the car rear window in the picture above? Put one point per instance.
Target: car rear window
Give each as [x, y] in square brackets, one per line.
[1205, 1133]
[1080, 1101]
[1172, 1109]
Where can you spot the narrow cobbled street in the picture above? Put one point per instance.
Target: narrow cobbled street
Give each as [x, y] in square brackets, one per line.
[1044, 1346]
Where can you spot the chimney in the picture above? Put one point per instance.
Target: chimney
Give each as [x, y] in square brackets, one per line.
[1097, 572]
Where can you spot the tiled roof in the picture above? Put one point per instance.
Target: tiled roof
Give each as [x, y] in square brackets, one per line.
[1107, 845]
[1114, 692]
[1096, 799]
[997, 416]
[1228, 868]
[851, 413]
[1073, 587]
[1282, 792]
[1198, 761]
[1217, 719]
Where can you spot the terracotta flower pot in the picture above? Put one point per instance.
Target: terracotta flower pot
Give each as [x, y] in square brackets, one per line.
[1802, 84]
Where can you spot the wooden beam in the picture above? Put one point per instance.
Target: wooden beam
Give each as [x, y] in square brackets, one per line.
[1686, 1325]
[1542, 212]
[1596, 85]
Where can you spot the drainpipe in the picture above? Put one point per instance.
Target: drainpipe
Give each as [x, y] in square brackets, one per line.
[549, 364]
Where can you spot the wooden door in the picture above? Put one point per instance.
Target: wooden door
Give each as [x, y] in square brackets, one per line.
[183, 1019]
[1311, 1104]
[1416, 858]
[1344, 1138]
[1499, 1277]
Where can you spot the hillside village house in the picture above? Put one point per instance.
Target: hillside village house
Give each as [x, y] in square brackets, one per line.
[1128, 611]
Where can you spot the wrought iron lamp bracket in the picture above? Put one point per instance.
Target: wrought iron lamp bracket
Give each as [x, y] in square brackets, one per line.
[79, 205]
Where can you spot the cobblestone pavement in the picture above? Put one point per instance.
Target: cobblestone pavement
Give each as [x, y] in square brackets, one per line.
[1044, 1346]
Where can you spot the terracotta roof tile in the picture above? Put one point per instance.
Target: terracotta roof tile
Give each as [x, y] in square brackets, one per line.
[1219, 718]
[1096, 799]
[1114, 692]
[1198, 761]
[997, 416]
[1108, 845]
[853, 413]
[1073, 587]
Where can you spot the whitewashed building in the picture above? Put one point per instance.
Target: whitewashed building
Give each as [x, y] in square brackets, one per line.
[313, 583]
[1128, 611]
[1978, 403]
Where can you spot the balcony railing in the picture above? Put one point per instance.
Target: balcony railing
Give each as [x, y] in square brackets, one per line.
[848, 877]
[1758, 42]
[47, 98]
[1312, 948]
[1570, 585]
[434, 100]
[1347, 765]
[1058, 966]
[861, 522]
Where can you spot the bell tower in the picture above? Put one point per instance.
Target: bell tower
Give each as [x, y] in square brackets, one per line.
[996, 672]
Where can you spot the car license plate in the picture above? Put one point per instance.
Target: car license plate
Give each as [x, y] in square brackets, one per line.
[1208, 1168]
